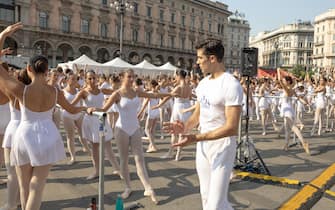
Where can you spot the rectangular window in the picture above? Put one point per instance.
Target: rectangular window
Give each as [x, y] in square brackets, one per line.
[135, 8]
[135, 35]
[148, 11]
[7, 10]
[192, 22]
[210, 27]
[201, 25]
[182, 43]
[172, 41]
[161, 15]
[66, 22]
[333, 48]
[161, 43]
[300, 44]
[148, 37]
[172, 18]
[183, 20]
[103, 30]
[43, 20]
[104, 2]
[85, 26]
[333, 37]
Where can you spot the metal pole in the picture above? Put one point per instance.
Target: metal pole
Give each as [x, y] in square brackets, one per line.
[122, 10]
[276, 48]
[102, 118]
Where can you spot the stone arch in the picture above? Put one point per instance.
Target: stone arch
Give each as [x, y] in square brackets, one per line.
[171, 60]
[147, 57]
[190, 64]
[43, 47]
[116, 53]
[134, 58]
[12, 44]
[181, 63]
[64, 53]
[159, 60]
[103, 55]
[84, 49]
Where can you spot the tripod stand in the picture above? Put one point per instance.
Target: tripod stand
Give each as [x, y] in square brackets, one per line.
[247, 154]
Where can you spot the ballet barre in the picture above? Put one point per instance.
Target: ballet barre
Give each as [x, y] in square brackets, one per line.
[102, 130]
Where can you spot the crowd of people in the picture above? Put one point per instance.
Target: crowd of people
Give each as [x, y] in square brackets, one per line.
[35, 103]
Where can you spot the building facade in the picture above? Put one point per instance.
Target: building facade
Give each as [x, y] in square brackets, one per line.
[286, 46]
[156, 30]
[324, 40]
[238, 37]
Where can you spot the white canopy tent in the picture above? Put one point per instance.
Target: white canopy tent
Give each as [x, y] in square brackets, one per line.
[81, 62]
[117, 64]
[146, 68]
[167, 68]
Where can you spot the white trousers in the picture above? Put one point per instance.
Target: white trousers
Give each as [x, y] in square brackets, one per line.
[214, 163]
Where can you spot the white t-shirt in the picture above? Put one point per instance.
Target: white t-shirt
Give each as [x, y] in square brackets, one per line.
[214, 95]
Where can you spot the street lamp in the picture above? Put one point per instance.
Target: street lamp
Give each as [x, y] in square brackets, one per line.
[275, 45]
[121, 6]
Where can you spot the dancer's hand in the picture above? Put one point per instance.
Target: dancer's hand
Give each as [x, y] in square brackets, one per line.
[9, 30]
[176, 127]
[90, 110]
[6, 51]
[186, 140]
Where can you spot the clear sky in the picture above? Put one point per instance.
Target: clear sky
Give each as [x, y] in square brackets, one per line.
[266, 15]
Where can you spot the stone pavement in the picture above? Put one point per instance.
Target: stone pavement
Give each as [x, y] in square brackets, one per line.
[176, 183]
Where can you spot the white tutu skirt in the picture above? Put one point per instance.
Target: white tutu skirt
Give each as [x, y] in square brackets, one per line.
[10, 133]
[37, 143]
[90, 129]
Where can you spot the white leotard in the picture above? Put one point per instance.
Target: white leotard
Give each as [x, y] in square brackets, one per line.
[286, 109]
[178, 106]
[90, 126]
[320, 100]
[153, 113]
[127, 120]
[69, 97]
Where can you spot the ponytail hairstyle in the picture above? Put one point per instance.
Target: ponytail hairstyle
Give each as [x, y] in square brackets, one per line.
[23, 77]
[181, 73]
[39, 64]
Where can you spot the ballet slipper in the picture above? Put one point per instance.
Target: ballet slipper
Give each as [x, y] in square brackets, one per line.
[151, 149]
[167, 155]
[92, 177]
[306, 148]
[285, 147]
[150, 193]
[71, 162]
[126, 193]
[264, 133]
[117, 172]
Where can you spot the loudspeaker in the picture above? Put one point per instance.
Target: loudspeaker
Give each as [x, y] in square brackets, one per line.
[249, 60]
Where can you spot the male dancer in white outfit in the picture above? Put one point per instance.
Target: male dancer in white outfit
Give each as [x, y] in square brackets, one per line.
[218, 111]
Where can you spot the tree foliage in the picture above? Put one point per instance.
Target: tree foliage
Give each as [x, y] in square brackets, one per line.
[299, 71]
